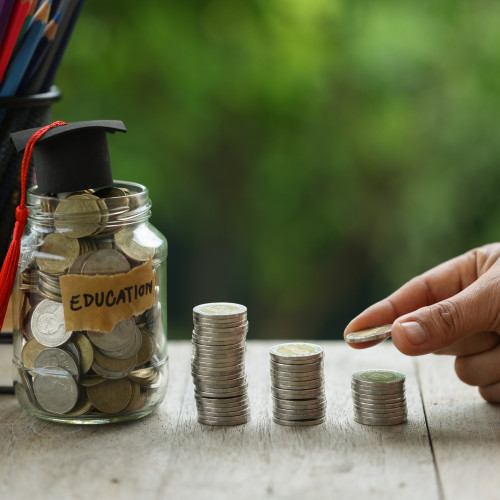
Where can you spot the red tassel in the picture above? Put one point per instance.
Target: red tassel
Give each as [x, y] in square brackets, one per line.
[9, 267]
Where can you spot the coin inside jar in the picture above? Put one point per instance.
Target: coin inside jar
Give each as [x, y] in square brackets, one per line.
[78, 215]
[106, 261]
[57, 253]
[130, 242]
[47, 324]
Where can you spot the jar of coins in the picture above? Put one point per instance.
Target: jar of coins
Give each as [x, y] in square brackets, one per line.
[90, 318]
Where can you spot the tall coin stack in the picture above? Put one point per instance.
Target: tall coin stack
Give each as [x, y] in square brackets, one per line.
[297, 384]
[379, 397]
[218, 363]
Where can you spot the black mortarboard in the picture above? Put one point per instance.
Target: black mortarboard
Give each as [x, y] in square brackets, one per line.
[71, 157]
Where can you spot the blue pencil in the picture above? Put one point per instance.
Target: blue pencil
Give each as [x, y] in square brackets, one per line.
[21, 60]
[67, 8]
[41, 51]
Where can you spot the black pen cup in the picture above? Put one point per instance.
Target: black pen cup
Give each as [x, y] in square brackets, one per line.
[18, 113]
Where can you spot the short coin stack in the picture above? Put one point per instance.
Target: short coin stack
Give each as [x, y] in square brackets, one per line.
[379, 397]
[218, 363]
[297, 384]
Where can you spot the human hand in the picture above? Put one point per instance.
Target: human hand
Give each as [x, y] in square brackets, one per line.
[454, 309]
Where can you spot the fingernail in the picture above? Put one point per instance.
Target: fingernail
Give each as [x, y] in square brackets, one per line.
[414, 332]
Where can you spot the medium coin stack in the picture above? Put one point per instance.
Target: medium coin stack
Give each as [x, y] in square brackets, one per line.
[379, 397]
[218, 363]
[297, 384]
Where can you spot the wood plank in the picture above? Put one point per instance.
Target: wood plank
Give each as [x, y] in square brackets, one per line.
[464, 429]
[170, 455]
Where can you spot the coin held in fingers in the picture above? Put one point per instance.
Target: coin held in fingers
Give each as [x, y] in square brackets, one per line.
[369, 335]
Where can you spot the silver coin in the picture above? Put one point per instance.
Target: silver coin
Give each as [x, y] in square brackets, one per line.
[395, 412]
[310, 384]
[215, 378]
[47, 324]
[73, 350]
[55, 390]
[284, 404]
[217, 371]
[219, 310]
[218, 362]
[203, 330]
[240, 412]
[211, 347]
[301, 377]
[219, 350]
[211, 342]
[369, 335]
[392, 401]
[231, 401]
[206, 370]
[219, 385]
[222, 339]
[114, 374]
[105, 261]
[377, 392]
[294, 414]
[120, 339]
[298, 423]
[381, 406]
[228, 421]
[226, 358]
[378, 378]
[299, 394]
[218, 376]
[379, 421]
[77, 265]
[56, 357]
[215, 395]
[223, 391]
[228, 365]
[296, 353]
[280, 367]
[221, 324]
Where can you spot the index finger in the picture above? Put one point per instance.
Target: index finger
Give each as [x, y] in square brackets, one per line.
[439, 283]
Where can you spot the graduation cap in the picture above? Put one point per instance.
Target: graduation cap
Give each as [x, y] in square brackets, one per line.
[71, 157]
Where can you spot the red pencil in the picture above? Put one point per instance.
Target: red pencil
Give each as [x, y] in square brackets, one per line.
[16, 22]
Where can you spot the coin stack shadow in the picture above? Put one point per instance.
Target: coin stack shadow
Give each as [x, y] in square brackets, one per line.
[379, 397]
[297, 385]
[218, 364]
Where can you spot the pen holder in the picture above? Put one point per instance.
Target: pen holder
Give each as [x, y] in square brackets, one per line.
[18, 113]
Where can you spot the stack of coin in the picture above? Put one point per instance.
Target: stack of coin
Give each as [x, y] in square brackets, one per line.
[297, 384]
[218, 363]
[379, 397]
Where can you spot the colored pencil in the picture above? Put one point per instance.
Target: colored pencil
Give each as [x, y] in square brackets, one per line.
[45, 78]
[48, 36]
[12, 34]
[22, 57]
[27, 21]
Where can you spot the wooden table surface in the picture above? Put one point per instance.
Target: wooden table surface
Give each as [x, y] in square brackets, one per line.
[448, 449]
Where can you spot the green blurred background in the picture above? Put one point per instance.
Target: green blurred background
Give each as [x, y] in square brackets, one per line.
[305, 157]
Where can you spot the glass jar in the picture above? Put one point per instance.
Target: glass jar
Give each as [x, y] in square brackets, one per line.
[90, 340]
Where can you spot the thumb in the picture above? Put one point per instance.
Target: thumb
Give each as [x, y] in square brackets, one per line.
[475, 309]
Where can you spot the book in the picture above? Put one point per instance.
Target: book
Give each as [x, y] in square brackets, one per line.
[6, 352]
